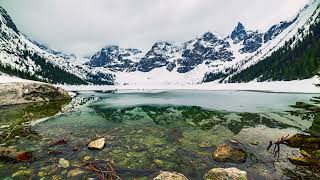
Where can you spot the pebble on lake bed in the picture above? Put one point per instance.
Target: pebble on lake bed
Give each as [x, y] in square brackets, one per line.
[97, 144]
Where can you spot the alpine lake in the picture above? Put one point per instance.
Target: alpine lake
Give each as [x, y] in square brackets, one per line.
[149, 131]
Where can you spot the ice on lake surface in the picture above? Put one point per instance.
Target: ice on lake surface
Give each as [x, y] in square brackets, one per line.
[234, 101]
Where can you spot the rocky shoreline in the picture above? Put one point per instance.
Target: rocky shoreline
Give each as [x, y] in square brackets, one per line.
[27, 92]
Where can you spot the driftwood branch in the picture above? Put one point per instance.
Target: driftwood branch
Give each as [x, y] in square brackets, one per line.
[276, 149]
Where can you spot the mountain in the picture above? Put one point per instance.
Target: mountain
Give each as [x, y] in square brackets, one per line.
[28, 59]
[160, 55]
[299, 58]
[115, 58]
[276, 29]
[208, 57]
[274, 39]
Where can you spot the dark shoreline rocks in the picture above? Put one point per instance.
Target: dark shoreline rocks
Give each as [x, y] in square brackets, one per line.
[20, 93]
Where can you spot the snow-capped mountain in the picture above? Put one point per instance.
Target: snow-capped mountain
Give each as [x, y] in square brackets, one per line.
[115, 58]
[161, 54]
[250, 40]
[208, 57]
[28, 59]
[283, 32]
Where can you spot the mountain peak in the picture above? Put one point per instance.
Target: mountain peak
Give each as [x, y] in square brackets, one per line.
[239, 33]
[161, 43]
[240, 26]
[209, 36]
[111, 47]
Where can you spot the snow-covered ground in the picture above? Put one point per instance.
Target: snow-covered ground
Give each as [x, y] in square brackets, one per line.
[7, 79]
[297, 86]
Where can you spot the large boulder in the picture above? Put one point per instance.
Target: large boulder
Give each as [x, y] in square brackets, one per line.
[225, 173]
[226, 153]
[18, 93]
[165, 175]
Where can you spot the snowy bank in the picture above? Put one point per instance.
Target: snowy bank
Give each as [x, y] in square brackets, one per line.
[8, 79]
[297, 86]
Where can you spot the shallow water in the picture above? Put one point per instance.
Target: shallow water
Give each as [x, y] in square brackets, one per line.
[167, 130]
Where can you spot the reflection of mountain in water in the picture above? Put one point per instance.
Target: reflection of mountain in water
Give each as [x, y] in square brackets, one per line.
[198, 117]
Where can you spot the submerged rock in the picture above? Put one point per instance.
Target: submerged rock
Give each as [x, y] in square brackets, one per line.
[225, 173]
[12, 154]
[64, 163]
[204, 145]
[165, 175]
[23, 157]
[302, 105]
[226, 153]
[22, 173]
[88, 158]
[75, 172]
[97, 144]
[314, 108]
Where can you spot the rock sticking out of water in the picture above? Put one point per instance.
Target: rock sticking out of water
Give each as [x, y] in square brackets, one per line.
[165, 175]
[226, 173]
[226, 153]
[97, 144]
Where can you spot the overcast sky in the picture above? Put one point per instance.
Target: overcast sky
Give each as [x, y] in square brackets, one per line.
[84, 26]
